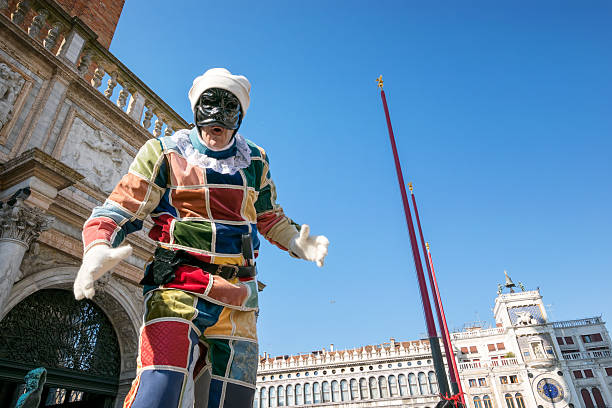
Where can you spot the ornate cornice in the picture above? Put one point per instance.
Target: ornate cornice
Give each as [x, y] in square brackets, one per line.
[36, 163]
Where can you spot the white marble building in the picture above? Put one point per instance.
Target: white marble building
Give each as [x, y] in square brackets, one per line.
[72, 117]
[525, 361]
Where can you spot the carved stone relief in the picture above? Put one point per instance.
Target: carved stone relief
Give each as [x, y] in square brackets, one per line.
[11, 84]
[98, 155]
[40, 257]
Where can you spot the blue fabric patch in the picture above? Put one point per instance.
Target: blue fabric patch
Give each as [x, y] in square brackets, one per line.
[159, 389]
[208, 314]
[238, 396]
[214, 393]
[244, 362]
[164, 206]
[168, 143]
[213, 177]
[193, 336]
[229, 238]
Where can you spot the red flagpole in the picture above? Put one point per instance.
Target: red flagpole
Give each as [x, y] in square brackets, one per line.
[433, 284]
[455, 370]
[429, 319]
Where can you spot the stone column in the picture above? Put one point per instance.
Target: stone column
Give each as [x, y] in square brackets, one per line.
[20, 225]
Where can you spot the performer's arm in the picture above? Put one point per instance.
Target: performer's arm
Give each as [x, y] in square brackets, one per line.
[124, 211]
[282, 231]
[132, 200]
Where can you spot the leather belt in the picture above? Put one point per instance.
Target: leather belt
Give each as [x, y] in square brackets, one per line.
[166, 261]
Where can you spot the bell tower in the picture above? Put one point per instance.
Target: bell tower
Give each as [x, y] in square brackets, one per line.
[522, 308]
[101, 16]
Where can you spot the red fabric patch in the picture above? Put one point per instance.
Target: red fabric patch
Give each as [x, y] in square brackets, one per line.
[267, 220]
[165, 343]
[98, 228]
[183, 173]
[228, 293]
[190, 278]
[225, 204]
[160, 232]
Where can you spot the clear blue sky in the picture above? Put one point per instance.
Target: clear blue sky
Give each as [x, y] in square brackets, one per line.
[503, 116]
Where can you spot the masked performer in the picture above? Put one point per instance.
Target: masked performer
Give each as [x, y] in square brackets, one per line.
[209, 192]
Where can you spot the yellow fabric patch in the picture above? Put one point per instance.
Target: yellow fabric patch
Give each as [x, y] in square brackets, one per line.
[170, 303]
[245, 324]
[223, 327]
[228, 260]
[249, 211]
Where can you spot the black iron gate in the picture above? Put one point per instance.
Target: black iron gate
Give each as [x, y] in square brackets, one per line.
[73, 340]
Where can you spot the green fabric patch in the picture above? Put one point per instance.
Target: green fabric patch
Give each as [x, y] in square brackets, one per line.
[252, 301]
[170, 303]
[144, 162]
[264, 200]
[219, 354]
[194, 234]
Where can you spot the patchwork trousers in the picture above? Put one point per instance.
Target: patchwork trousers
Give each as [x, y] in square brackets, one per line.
[185, 341]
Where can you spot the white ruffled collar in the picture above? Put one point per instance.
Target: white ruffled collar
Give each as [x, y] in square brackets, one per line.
[229, 165]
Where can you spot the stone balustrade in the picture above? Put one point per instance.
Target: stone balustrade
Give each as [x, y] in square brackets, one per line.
[478, 333]
[344, 356]
[475, 365]
[578, 322]
[587, 355]
[76, 45]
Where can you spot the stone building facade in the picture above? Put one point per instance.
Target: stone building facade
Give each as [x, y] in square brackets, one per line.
[525, 361]
[72, 117]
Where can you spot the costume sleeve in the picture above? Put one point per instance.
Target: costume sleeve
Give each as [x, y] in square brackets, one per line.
[272, 222]
[134, 197]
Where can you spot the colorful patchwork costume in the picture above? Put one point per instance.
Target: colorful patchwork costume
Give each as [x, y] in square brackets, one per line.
[202, 202]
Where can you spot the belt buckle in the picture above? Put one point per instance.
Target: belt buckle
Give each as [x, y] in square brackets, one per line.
[233, 274]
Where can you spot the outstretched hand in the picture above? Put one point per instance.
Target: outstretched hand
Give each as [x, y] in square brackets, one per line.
[310, 248]
[96, 262]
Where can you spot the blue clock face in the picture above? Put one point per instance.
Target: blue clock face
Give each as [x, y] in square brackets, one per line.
[550, 390]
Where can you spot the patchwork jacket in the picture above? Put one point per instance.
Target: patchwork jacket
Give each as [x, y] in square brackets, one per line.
[200, 201]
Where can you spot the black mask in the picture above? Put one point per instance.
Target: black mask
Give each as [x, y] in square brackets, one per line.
[218, 107]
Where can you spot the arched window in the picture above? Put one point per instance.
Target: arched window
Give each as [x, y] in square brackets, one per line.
[289, 395]
[374, 388]
[299, 397]
[413, 383]
[354, 389]
[509, 401]
[520, 403]
[433, 382]
[263, 396]
[316, 393]
[586, 397]
[272, 393]
[344, 390]
[422, 383]
[598, 398]
[256, 399]
[382, 384]
[363, 388]
[477, 402]
[281, 396]
[307, 394]
[403, 385]
[486, 400]
[326, 393]
[392, 386]
[335, 391]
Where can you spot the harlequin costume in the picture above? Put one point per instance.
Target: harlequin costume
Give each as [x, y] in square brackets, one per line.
[201, 288]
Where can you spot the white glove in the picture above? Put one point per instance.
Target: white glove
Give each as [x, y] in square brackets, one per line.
[309, 248]
[98, 260]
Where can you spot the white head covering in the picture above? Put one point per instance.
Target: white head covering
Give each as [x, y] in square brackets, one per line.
[221, 78]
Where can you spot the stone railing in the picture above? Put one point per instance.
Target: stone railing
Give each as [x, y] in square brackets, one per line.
[348, 356]
[575, 323]
[478, 333]
[587, 354]
[70, 40]
[474, 365]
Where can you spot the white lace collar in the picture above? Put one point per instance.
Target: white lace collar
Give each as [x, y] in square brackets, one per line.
[229, 165]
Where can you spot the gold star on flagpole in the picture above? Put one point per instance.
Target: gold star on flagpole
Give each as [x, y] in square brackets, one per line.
[380, 82]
